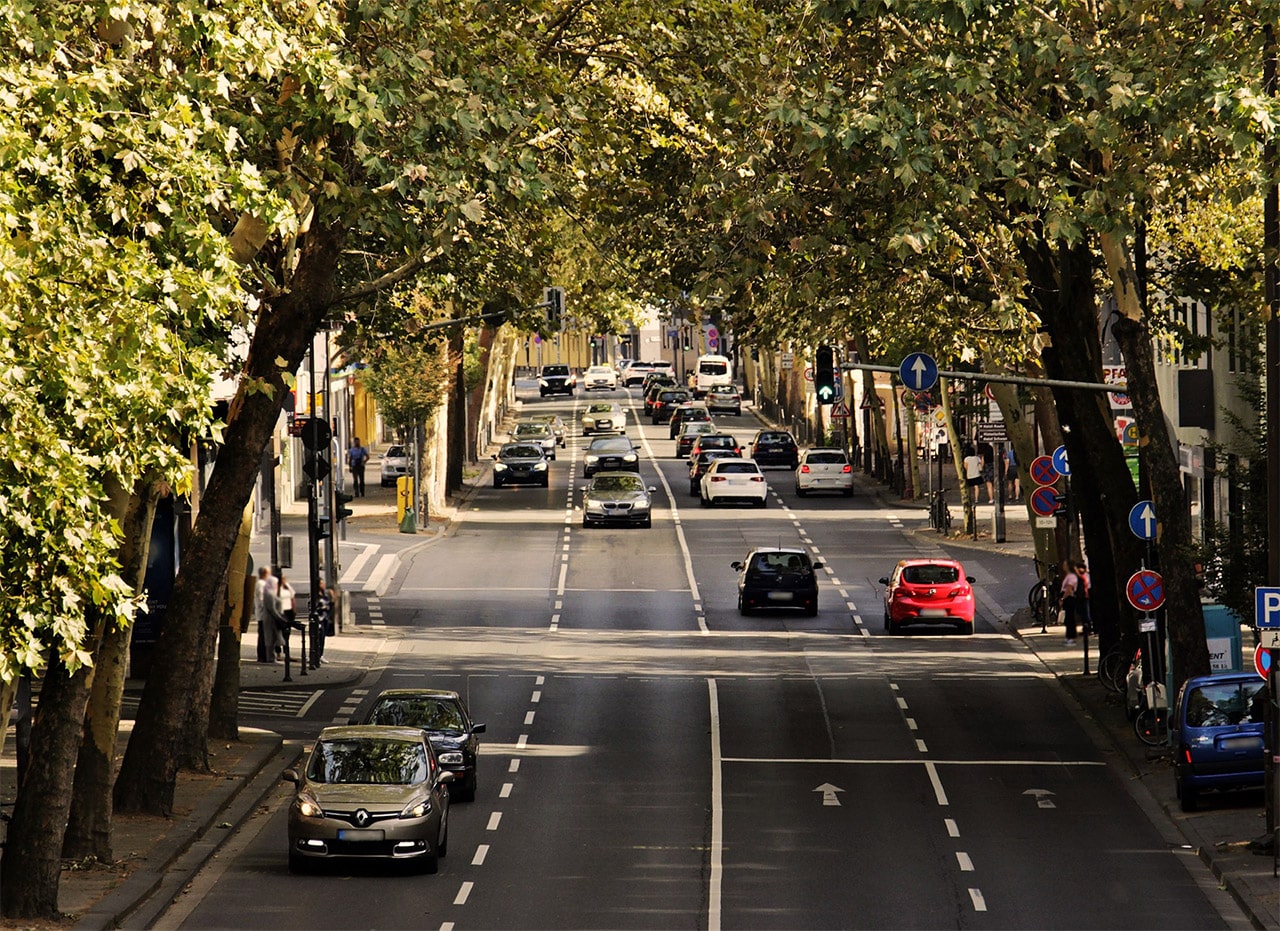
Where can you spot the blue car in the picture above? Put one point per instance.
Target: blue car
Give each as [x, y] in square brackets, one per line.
[1218, 734]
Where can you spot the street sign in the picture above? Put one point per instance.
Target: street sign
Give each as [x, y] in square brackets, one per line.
[839, 410]
[870, 402]
[918, 371]
[315, 434]
[713, 339]
[1045, 501]
[1060, 461]
[1043, 471]
[1266, 607]
[1046, 523]
[1145, 590]
[1263, 660]
[991, 432]
[787, 359]
[808, 373]
[1142, 520]
[1269, 638]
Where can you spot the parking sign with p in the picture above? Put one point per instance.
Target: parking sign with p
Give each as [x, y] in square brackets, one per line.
[1266, 607]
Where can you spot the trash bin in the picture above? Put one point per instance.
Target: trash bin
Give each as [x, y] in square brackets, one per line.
[284, 550]
[1222, 634]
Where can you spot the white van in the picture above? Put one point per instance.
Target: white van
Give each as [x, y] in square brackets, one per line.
[711, 370]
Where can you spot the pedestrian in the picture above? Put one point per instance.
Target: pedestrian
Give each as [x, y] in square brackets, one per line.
[1013, 488]
[321, 622]
[274, 619]
[262, 615]
[286, 616]
[988, 473]
[357, 456]
[972, 471]
[1067, 600]
[1084, 613]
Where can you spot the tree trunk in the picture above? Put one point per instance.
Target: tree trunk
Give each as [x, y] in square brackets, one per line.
[31, 868]
[285, 329]
[224, 709]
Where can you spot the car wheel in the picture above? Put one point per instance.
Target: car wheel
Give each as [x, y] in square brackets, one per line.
[742, 607]
[467, 788]
[1187, 797]
[800, 492]
[704, 500]
[893, 628]
[848, 492]
[585, 523]
[552, 457]
[298, 863]
[430, 864]
[442, 845]
[966, 628]
[497, 483]
[546, 481]
[812, 610]
[763, 502]
[693, 488]
[648, 522]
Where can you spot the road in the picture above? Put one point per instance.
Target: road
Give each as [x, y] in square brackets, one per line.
[654, 760]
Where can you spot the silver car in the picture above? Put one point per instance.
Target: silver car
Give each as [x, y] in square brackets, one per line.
[554, 421]
[617, 498]
[604, 417]
[395, 463]
[370, 792]
[527, 431]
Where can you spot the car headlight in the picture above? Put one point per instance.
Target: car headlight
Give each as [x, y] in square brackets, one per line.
[591, 459]
[307, 806]
[629, 457]
[499, 467]
[416, 809]
[450, 758]
[539, 467]
[593, 504]
[542, 383]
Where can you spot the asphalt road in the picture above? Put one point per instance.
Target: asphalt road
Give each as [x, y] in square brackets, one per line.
[654, 760]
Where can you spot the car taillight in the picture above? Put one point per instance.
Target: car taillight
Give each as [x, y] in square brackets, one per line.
[757, 478]
[717, 478]
[847, 468]
[1186, 751]
[804, 469]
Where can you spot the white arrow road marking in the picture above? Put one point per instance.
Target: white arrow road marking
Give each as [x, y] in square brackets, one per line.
[1042, 797]
[829, 794]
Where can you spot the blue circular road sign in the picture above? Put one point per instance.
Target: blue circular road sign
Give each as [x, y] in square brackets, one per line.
[918, 371]
[1142, 520]
[1060, 461]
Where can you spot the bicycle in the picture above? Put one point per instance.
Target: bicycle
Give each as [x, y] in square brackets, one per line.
[939, 513]
[1042, 598]
[1152, 723]
[1114, 667]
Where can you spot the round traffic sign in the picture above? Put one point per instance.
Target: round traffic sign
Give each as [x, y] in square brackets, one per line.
[1045, 501]
[713, 338]
[1142, 520]
[1145, 590]
[1060, 461]
[1043, 471]
[1263, 659]
[918, 371]
[315, 434]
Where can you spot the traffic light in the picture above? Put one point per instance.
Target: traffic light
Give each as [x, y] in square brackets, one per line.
[553, 298]
[824, 375]
[320, 529]
[342, 512]
[686, 343]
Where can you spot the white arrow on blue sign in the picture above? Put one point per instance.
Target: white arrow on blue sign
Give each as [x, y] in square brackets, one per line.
[1060, 461]
[1142, 520]
[1266, 607]
[918, 371]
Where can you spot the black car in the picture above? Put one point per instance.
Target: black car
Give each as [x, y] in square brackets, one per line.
[778, 577]
[524, 463]
[610, 454]
[666, 401]
[699, 463]
[555, 379]
[657, 378]
[775, 448]
[443, 715]
[687, 413]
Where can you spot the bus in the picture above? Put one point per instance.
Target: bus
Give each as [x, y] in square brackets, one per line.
[710, 371]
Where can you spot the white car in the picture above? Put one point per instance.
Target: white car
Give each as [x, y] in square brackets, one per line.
[604, 417]
[732, 479]
[824, 470]
[599, 376]
[395, 463]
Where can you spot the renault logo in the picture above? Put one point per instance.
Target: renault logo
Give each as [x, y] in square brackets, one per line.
[362, 817]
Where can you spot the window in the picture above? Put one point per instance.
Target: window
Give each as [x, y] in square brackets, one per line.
[1225, 704]
[930, 575]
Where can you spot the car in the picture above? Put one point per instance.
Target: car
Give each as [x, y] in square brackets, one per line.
[521, 463]
[1217, 730]
[724, 399]
[617, 498]
[635, 373]
[555, 379]
[667, 400]
[604, 417]
[369, 792]
[689, 434]
[443, 716]
[700, 462]
[928, 591]
[555, 421]
[686, 413]
[778, 577]
[610, 454]
[775, 448]
[395, 463]
[528, 431]
[657, 377]
[599, 377]
[651, 392]
[824, 469]
[722, 441]
[734, 479]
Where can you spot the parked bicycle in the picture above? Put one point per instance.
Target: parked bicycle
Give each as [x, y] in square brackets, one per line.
[1114, 667]
[939, 513]
[1152, 723]
[1042, 599]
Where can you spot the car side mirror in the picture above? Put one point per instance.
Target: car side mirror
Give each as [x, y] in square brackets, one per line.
[291, 775]
[884, 581]
[478, 728]
[736, 565]
[444, 777]
[970, 579]
[818, 564]
[652, 489]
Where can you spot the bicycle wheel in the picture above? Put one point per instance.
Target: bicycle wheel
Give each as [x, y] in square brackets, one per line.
[1112, 669]
[1151, 725]
[1037, 595]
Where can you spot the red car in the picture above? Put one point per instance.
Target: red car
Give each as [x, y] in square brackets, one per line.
[928, 591]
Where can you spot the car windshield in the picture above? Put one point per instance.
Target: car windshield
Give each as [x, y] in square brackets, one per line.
[712, 367]
[774, 438]
[368, 761]
[723, 389]
[695, 429]
[395, 452]
[930, 575]
[600, 408]
[613, 484]
[779, 562]
[668, 396]
[736, 467]
[520, 452]
[616, 444]
[430, 714]
[825, 458]
[1224, 703]
[555, 370]
[694, 413]
[531, 429]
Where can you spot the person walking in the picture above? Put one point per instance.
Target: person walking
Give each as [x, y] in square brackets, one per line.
[1067, 601]
[262, 615]
[287, 618]
[357, 456]
[1014, 488]
[972, 471]
[1083, 612]
[321, 622]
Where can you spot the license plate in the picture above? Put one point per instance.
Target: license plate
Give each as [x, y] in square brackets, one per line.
[361, 835]
[933, 612]
[779, 596]
[1241, 743]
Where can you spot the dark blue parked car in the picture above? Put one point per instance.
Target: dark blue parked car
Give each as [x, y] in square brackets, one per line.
[1217, 734]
